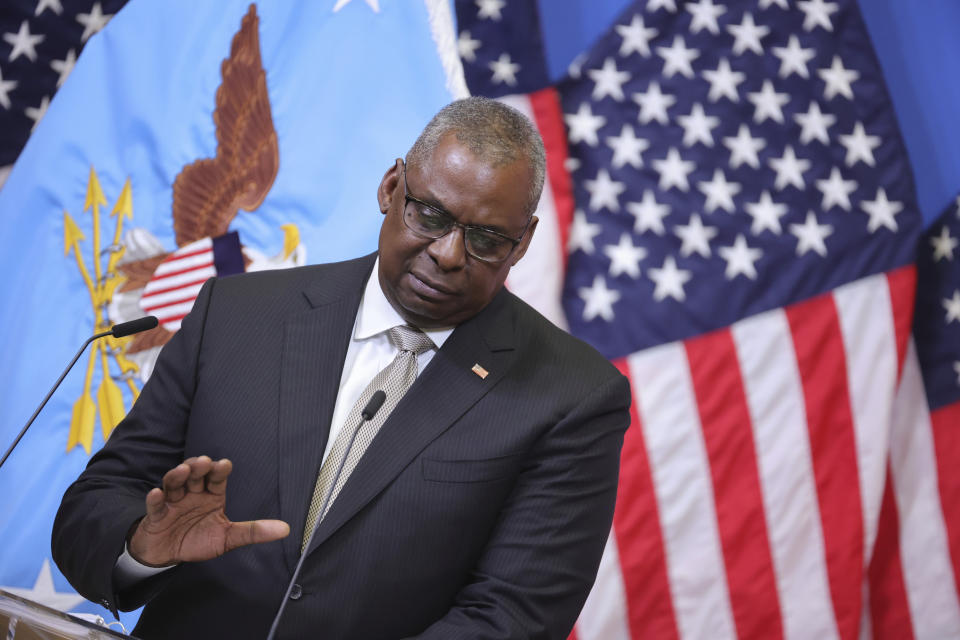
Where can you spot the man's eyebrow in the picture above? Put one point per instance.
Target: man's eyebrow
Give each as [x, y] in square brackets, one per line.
[441, 209]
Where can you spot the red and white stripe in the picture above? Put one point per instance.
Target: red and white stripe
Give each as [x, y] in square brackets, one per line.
[176, 282]
[782, 477]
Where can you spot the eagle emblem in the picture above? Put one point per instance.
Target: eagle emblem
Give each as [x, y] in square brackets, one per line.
[207, 195]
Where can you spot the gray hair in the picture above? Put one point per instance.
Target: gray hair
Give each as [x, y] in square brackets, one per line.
[492, 131]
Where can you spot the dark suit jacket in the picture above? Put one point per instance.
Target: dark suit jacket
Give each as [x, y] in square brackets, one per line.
[479, 511]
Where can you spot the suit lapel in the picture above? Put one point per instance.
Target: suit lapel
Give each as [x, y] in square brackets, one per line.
[315, 344]
[446, 389]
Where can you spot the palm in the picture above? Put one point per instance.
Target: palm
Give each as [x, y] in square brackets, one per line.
[185, 520]
[193, 529]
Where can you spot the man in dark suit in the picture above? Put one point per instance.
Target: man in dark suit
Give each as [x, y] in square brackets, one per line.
[481, 507]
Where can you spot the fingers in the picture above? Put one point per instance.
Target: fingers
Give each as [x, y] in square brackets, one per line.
[254, 532]
[156, 505]
[199, 468]
[217, 478]
[196, 475]
[174, 482]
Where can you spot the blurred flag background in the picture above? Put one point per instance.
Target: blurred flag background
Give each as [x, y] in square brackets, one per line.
[736, 225]
[734, 214]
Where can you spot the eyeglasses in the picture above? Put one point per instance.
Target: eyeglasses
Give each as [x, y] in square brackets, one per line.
[427, 221]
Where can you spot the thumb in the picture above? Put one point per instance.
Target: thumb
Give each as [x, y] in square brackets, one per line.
[255, 531]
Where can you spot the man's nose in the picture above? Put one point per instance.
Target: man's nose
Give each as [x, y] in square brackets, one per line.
[449, 251]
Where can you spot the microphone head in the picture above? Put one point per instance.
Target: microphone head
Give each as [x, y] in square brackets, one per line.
[134, 326]
[373, 404]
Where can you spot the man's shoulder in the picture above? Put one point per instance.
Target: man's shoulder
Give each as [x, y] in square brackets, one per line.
[553, 346]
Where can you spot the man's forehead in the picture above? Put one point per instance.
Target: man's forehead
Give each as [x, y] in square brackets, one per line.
[472, 190]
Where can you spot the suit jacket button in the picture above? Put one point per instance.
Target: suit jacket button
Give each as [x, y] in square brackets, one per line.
[295, 592]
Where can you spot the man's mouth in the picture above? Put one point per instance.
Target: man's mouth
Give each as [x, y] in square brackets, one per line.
[428, 288]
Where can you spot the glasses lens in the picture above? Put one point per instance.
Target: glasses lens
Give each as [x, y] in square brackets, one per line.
[429, 223]
[487, 246]
[425, 221]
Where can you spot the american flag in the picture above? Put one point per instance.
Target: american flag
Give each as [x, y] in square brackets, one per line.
[39, 44]
[730, 217]
[170, 293]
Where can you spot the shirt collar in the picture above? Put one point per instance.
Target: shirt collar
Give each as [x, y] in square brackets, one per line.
[377, 315]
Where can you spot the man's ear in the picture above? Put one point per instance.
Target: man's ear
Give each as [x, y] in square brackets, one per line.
[525, 242]
[389, 185]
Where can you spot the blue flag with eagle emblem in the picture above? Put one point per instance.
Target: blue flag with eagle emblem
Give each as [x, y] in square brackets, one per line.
[191, 140]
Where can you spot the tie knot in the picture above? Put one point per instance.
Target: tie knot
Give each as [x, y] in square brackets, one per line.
[409, 339]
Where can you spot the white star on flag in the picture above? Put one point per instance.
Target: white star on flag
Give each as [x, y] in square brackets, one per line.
[6, 86]
[94, 21]
[956, 368]
[882, 212]
[766, 214]
[625, 257]
[636, 37]
[740, 259]
[836, 190]
[627, 148]
[36, 113]
[817, 14]
[723, 82]
[582, 233]
[490, 9]
[943, 245]
[697, 126]
[694, 237]
[608, 80]
[64, 67]
[604, 191]
[23, 43]
[669, 5]
[859, 146]
[747, 35]
[811, 236]
[504, 70]
[583, 125]
[719, 192]
[467, 46]
[789, 169]
[673, 171]
[838, 79]
[704, 15]
[669, 280]
[648, 214]
[952, 306]
[768, 103]
[598, 300]
[654, 104]
[814, 124]
[744, 148]
[45, 592]
[677, 58]
[53, 5]
[793, 58]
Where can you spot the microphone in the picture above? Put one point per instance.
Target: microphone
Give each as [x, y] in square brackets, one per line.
[125, 329]
[117, 331]
[366, 414]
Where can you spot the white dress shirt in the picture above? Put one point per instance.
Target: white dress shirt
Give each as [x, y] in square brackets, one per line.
[368, 353]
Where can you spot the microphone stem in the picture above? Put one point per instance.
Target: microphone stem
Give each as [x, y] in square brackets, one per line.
[323, 510]
[44, 403]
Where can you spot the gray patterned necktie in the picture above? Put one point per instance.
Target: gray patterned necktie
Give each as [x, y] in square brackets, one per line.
[395, 379]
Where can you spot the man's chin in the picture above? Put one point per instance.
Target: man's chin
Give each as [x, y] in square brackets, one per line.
[427, 313]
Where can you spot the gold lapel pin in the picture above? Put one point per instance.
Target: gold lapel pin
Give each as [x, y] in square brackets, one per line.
[480, 371]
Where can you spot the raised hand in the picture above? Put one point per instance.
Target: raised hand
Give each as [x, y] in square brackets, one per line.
[185, 521]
